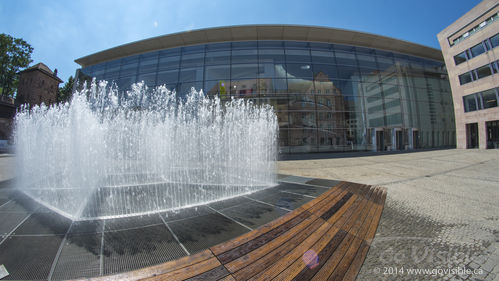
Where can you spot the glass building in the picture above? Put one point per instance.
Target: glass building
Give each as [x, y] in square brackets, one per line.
[332, 90]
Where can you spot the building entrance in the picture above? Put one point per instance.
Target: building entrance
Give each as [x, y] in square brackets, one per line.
[472, 135]
[380, 141]
[492, 134]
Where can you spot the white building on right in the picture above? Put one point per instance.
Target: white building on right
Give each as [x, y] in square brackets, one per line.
[470, 47]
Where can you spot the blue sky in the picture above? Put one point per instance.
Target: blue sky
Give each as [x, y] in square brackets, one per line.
[62, 31]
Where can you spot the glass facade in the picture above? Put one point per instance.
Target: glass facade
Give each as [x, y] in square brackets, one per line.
[327, 97]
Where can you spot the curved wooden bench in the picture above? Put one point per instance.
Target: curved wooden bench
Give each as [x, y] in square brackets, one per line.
[326, 239]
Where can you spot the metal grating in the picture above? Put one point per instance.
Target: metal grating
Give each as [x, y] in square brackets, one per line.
[186, 213]
[284, 200]
[323, 182]
[29, 258]
[44, 223]
[79, 257]
[229, 203]
[199, 233]
[86, 227]
[301, 189]
[132, 222]
[254, 214]
[8, 221]
[135, 248]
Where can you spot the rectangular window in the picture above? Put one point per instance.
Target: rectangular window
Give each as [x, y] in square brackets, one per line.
[489, 98]
[494, 40]
[465, 78]
[460, 58]
[469, 103]
[477, 50]
[483, 71]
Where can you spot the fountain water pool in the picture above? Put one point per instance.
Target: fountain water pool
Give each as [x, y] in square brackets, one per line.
[113, 154]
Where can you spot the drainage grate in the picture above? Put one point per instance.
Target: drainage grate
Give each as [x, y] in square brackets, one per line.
[301, 189]
[8, 221]
[254, 214]
[323, 182]
[135, 248]
[29, 257]
[44, 223]
[132, 222]
[79, 257]
[202, 232]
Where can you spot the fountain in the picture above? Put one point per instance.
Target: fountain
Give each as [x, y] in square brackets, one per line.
[113, 154]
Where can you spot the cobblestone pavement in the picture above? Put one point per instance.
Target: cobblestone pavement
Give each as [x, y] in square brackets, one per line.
[441, 217]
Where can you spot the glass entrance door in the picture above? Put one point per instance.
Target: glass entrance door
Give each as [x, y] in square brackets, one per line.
[492, 134]
[380, 141]
[472, 135]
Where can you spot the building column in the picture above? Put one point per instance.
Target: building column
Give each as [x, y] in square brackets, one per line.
[482, 135]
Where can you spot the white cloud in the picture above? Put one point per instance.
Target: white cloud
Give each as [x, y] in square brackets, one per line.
[155, 23]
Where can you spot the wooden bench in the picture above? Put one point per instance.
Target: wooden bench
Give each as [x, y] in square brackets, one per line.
[326, 239]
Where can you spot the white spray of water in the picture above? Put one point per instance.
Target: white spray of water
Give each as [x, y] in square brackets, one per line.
[111, 154]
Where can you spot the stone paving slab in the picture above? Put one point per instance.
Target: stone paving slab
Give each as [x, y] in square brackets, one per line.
[442, 211]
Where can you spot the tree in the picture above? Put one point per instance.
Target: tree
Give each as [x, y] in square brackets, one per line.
[15, 53]
[66, 92]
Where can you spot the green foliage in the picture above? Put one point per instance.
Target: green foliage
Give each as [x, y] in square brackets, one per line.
[66, 92]
[15, 53]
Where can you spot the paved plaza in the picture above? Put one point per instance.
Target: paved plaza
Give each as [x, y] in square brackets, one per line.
[441, 217]
[441, 213]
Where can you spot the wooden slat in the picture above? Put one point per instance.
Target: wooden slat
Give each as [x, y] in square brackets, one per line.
[159, 269]
[354, 268]
[347, 259]
[333, 238]
[188, 271]
[325, 232]
[224, 247]
[338, 226]
[295, 233]
[327, 269]
[250, 269]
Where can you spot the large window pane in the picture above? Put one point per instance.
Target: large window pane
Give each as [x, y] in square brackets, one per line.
[483, 71]
[465, 78]
[219, 57]
[489, 98]
[148, 63]
[367, 61]
[185, 88]
[244, 71]
[495, 40]
[323, 57]
[369, 75]
[191, 74]
[270, 70]
[345, 58]
[301, 70]
[217, 72]
[477, 50]
[190, 60]
[460, 58]
[469, 103]
[171, 62]
[296, 55]
[297, 86]
[149, 79]
[167, 77]
[267, 85]
[348, 72]
[244, 87]
[324, 72]
[271, 56]
[244, 56]
[215, 87]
